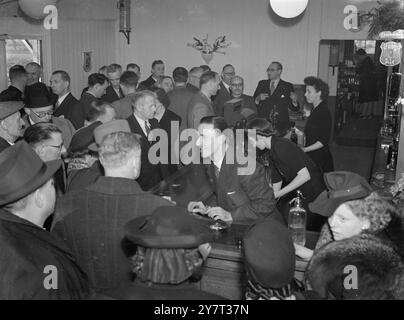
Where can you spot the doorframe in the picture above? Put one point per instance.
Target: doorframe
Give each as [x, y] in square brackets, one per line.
[18, 28]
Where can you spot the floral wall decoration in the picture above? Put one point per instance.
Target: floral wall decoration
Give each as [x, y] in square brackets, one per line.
[207, 50]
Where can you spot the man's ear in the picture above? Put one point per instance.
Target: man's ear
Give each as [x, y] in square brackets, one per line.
[39, 150]
[38, 197]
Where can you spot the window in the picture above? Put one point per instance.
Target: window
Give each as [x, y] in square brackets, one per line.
[368, 45]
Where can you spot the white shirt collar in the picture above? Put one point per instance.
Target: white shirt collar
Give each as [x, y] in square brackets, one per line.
[62, 98]
[142, 123]
[219, 163]
[117, 92]
[226, 86]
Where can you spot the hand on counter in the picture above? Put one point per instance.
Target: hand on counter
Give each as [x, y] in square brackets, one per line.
[219, 213]
[198, 207]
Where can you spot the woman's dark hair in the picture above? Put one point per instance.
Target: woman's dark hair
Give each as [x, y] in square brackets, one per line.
[318, 85]
[262, 126]
[161, 96]
[218, 122]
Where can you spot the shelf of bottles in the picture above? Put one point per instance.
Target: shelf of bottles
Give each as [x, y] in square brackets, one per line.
[347, 94]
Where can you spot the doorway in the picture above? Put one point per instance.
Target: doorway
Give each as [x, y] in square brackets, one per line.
[18, 51]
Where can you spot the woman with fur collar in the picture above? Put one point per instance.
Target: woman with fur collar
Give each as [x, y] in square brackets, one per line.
[362, 267]
[370, 214]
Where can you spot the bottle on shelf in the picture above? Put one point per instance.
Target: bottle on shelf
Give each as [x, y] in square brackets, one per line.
[293, 135]
[297, 220]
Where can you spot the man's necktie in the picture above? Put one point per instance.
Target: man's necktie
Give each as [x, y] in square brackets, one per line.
[272, 88]
[217, 172]
[147, 127]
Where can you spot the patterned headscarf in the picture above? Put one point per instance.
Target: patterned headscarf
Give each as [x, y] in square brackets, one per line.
[166, 266]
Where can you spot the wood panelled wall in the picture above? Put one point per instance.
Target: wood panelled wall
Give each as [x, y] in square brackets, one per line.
[77, 36]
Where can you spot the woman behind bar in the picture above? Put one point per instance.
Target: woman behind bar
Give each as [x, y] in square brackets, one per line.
[291, 170]
[353, 210]
[319, 124]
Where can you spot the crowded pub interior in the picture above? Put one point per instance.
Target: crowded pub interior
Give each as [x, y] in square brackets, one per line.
[201, 150]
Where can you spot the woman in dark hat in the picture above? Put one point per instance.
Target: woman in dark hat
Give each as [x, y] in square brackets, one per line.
[319, 124]
[352, 209]
[171, 248]
[269, 259]
[291, 170]
[361, 268]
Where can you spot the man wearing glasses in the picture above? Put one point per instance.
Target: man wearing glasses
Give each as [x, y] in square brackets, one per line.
[39, 109]
[47, 142]
[274, 97]
[224, 93]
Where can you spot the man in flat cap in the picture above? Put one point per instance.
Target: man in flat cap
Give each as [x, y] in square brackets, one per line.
[91, 220]
[33, 263]
[11, 123]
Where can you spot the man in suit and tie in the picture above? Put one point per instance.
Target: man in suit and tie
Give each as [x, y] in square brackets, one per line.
[224, 93]
[201, 105]
[97, 85]
[67, 105]
[141, 122]
[113, 92]
[11, 124]
[240, 195]
[128, 83]
[274, 97]
[18, 80]
[157, 72]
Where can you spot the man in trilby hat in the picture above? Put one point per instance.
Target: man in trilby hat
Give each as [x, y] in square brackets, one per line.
[10, 123]
[33, 263]
[39, 108]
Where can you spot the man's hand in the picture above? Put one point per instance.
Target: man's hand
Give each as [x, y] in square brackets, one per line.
[303, 252]
[261, 97]
[197, 206]
[218, 213]
[169, 199]
[293, 96]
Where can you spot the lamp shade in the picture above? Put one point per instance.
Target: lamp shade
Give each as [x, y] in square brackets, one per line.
[34, 8]
[288, 8]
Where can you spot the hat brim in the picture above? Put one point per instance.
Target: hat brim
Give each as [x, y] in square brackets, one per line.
[325, 206]
[35, 183]
[9, 108]
[201, 233]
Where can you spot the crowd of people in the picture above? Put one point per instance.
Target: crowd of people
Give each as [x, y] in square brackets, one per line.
[79, 219]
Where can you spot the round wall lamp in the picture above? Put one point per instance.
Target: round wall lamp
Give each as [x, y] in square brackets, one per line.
[288, 8]
[35, 8]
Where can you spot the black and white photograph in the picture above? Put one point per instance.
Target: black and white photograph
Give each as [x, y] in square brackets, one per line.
[201, 154]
